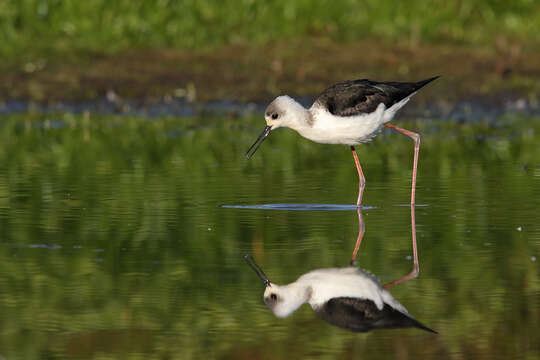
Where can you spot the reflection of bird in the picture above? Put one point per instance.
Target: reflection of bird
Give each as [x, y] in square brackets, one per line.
[346, 297]
[350, 112]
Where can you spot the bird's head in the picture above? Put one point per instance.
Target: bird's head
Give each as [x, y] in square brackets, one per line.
[284, 111]
[282, 300]
[279, 112]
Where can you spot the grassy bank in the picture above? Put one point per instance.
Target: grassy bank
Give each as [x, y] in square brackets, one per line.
[34, 29]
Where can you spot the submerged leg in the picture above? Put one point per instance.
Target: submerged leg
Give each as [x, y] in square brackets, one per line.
[416, 139]
[362, 183]
[416, 268]
[361, 231]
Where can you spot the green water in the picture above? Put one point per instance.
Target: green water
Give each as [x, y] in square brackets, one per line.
[112, 243]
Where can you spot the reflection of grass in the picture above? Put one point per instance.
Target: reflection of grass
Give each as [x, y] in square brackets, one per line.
[46, 26]
[148, 264]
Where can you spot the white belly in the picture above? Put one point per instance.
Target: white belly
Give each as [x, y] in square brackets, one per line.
[347, 282]
[351, 130]
[348, 130]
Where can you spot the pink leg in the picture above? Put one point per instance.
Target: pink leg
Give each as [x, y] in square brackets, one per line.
[362, 183]
[416, 138]
[416, 269]
[361, 231]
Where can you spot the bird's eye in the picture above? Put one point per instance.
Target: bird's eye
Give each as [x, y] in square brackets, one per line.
[274, 116]
[273, 297]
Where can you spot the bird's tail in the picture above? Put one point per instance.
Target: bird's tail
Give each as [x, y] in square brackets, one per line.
[419, 325]
[422, 83]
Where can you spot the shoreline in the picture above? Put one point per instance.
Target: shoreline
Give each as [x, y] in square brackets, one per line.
[259, 73]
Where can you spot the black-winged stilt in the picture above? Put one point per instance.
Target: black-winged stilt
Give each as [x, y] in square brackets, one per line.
[346, 297]
[350, 113]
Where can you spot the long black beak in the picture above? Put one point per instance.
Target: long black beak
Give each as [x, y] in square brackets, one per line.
[257, 269]
[259, 141]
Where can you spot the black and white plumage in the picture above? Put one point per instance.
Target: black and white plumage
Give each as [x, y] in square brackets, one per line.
[348, 297]
[350, 113]
[356, 97]
[361, 315]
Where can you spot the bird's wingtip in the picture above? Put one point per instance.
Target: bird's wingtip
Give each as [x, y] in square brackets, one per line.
[431, 330]
[421, 83]
[424, 327]
[428, 80]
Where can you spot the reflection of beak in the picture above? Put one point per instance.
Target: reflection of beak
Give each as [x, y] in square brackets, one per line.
[259, 141]
[257, 269]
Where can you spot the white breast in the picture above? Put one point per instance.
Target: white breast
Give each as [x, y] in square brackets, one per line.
[327, 128]
[347, 282]
[349, 130]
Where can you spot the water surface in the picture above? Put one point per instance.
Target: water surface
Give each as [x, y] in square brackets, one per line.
[114, 242]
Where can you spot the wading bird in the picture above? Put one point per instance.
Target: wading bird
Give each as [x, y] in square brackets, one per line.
[350, 113]
[346, 297]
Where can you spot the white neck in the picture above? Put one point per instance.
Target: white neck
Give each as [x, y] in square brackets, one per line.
[293, 295]
[296, 116]
[302, 117]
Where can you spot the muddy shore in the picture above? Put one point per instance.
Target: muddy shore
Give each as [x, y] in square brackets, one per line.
[257, 74]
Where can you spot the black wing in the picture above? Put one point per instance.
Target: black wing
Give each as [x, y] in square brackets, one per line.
[354, 97]
[362, 315]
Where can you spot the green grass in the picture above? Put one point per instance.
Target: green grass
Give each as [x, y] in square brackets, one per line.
[45, 28]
